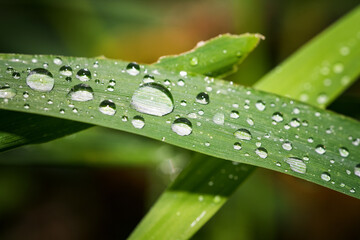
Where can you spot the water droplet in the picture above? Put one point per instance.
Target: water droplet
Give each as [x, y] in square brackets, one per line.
[234, 114]
[261, 152]
[153, 99]
[277, 117]
[343, 152]
[66, 71]
[112, 82]
[25, 94]
[250, 121]
[83, 75]
[203, 98]
[182, 126]
[296, 164]
[287, 146]
[181, 83]
[148, 78]
[167, 82]
[357, 170]
[194, 61]
[107, 107]
[9, 69]
[320, 149]
[26, 106]
[81, 92]
[338, 68]
[237, 146]
[295, 122]
[322, 98]
[260, 105]
[16, 75]
[243, 134]
[62, 111]
[219, 118]
[7, 92]
[138, 122]
[57, 61]
[133, 68]
[40, 79]
[325, 176]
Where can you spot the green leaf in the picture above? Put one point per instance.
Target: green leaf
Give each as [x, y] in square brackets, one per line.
[223, 62]
[274, 132]
[183, 197]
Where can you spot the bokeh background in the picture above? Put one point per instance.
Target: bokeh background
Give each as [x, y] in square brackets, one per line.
[99, 183]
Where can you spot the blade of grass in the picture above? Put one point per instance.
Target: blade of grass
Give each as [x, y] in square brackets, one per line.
[259, 130]
[205, 55]
[184, 198]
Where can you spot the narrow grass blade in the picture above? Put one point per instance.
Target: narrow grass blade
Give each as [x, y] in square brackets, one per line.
[208, 58]
[206, 115]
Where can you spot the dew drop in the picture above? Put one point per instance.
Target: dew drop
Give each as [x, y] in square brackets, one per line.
[243, 134]
[107, 107]
[133, 68]
[194, 61]
[112, 82]
[25, 94]
[325, 176]
[357, 170]
[322, 98]
[181, 82]
[296, 164]
[203, 98]
[81, 92]
[250, 121]
[138, 122]
[182, 127]
[320, 149]
[40, 79]
[26, 106]
[237, 146]
[62, 111]
[277, 117]
[148, 78]
[83, 75]
[261, 152]
[234, 114]
[7, 92]
[295, 122]
[219, 118]
[153, 99]
[57, 61]
[287, 146]
[260, 105]
[343, 152]
[16, 75]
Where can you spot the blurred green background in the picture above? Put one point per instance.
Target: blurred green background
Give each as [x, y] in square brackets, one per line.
[99, 183]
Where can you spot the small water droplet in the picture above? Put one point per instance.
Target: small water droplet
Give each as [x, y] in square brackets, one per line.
[83, 75]
[296, 164]
[287, 146]
[338, 68]
[357, 170]
[243, 134]
[153, 99]
[343, 152]
[325, 176]
[148, 78]
[9, 69]
[26, 106]
[295, 122]
[81, 92]
[194, 61]
[261, 152]
[57, 61]
[277, 117]
[250, 121]
[182, 126]
[133, 68]
[112, 82]
[203, 98]
[40, 79]
[25, 94]
[7, 92]
[181, 82]
[66, 71]
[260, 105]
[320, 149]
[62, 111]
[234, 114]
[322, 98]
[219, 118]
[16, 75]
[107, 107]
[237, 146]
[138, 122]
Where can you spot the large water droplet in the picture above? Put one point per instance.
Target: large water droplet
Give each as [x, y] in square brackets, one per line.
[325, 176]
[243, 134]
[107, 107]
[277, 117]
[296, 164]
[182, 126]
[219, 118]
[261, 152]
[83, 75]
[7, 92]
[138, 122]
[203, 98]
[40, 79]
[320, 149]
[343, 152]
[153, 99]
[66, 71]
[133, 68]
[81, 92]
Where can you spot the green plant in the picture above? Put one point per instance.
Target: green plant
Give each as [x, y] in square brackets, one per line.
[227, 121]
